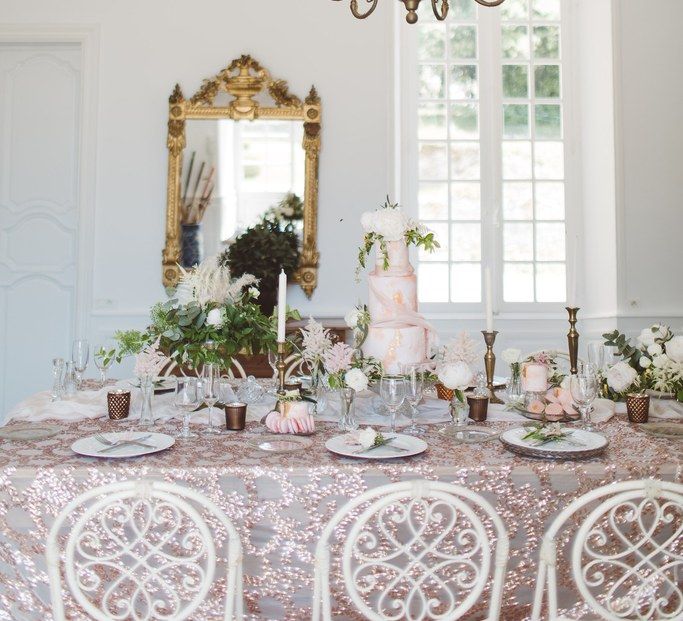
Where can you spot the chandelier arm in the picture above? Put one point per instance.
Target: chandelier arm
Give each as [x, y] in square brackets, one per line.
[440, 15]
[490, 3]
[358, 14]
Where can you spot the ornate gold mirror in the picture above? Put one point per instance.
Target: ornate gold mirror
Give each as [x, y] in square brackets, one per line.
[241, 150]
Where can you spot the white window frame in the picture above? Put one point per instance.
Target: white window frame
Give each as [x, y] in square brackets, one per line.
[489, 59]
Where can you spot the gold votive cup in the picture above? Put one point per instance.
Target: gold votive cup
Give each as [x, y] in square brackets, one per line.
[235, 416]
[118, 404]
[293, 383]
[446, 394]
[638, 407]
[479, 407]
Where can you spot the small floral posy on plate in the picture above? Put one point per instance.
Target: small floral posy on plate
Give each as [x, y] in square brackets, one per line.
[543, 434]
[368, 439]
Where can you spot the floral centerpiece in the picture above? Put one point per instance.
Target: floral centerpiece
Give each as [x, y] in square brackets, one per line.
[358, 319]
[390, 224]
[653, 362]
[207, 306]
[454, 360]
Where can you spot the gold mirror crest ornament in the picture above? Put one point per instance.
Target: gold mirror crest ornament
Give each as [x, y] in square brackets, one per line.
[439, 7]
[243, 79]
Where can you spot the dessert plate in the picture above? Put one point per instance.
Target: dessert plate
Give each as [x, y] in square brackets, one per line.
[580, 445]
[284, 443]
[406, 446]
[91, 447]
[29, 431]
[664, 430]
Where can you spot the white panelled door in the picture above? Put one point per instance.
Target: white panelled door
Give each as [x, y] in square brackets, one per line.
[40, 126]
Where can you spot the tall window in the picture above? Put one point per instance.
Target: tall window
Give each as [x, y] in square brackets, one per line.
[489, 151]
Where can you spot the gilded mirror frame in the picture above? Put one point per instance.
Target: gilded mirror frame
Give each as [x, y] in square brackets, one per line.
[243, 79]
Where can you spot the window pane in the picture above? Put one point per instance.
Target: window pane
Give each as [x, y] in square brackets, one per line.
[547, 80]
[466, 242]
[465, 201]
[465, 282]
[433, 161]
[549, 162]
[514, 9]
[431, 121]
[515, 41]
[463, 42]
[465, 160]
[548, 121]
[550, 242]
[463, 82]
[518, 241]
[515, 121]
[546, 9]
[432, 81]
[515, 81]
[546, 42]
[517, 160]
[433, 201]
[431, 41]
[464, 121]
[518, 201]
[550, 201]
[440, 230]
[431, 282]
[518, 282]
[460, 9]
[551, 282]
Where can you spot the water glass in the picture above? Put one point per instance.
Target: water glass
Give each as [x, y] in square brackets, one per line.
[584, 390]
[211, 375]
[57, 378]
[392, 389]
[186, 399]
[414, 374]
[70, 386]
[103, 358]
[80, 352]
[596, 354]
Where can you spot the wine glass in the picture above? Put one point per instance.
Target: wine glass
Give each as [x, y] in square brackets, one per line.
[211, 376]
[186, 399]
[414, 374]
[596, 354]
[80, 351]
[103, 359]
[392, 389]
[584, 390]
[272, 361]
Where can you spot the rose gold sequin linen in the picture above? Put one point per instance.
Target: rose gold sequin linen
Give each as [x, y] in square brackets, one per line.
[281, 502]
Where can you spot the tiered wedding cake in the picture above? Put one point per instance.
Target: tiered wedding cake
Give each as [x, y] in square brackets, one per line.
[398, 334]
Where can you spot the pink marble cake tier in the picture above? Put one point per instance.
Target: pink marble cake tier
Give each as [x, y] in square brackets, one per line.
[391, 295]
[395, 347]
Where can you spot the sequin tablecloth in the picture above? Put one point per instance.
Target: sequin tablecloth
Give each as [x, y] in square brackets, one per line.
[280, 502]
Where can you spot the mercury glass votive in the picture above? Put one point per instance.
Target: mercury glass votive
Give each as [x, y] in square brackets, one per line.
[479, 407]
[235, 416]
[118, 404]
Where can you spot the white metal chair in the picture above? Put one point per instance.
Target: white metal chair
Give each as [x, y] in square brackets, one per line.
[413, 550]
[235, 371]
[143, 550]
[627, 554]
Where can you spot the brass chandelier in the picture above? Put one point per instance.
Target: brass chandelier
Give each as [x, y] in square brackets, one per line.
[440, 8]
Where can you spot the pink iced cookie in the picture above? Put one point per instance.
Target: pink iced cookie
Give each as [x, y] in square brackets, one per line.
[554, 412]
[294, 419]
[536, 407]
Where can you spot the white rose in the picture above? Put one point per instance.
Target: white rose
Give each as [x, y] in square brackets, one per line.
[621, 376]
[367, 221]
[215, 318]
[254, 292]
[366, 437]
[644, 362]
[674, 349]
[655, 349]
[351, 318]
[511, 355]
[659, 362]
[646, 338]
[456, 376]
[356, 379]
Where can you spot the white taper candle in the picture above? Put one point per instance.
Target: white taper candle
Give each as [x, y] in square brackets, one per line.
[489, 299]
[281, 307]
[574, 267]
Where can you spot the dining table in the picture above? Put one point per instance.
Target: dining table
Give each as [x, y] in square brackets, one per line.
[280, 502]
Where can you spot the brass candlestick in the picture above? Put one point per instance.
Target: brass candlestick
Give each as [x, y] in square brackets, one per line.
[490, 364]
[573, 340]
[280, 366]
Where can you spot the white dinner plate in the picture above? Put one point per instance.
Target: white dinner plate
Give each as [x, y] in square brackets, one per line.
[90, 447]
[580, 445]
[413, 446]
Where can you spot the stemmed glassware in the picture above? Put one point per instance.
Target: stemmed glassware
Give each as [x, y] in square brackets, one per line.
[211, 376]
[57, 378]
[272, 361]
[80, 352]
[596, 354]
[186, 399]
[414, 374]
[584, 390]
[392, 389]
[103, 358]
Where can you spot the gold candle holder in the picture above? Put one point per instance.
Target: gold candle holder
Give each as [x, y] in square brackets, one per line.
[280, 366]
[573, 340]
[490, 364]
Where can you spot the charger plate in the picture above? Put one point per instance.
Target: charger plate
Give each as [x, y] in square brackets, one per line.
[29, 431]
[593, 445]
[470, 434]
[673, 431]
[281, 443]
